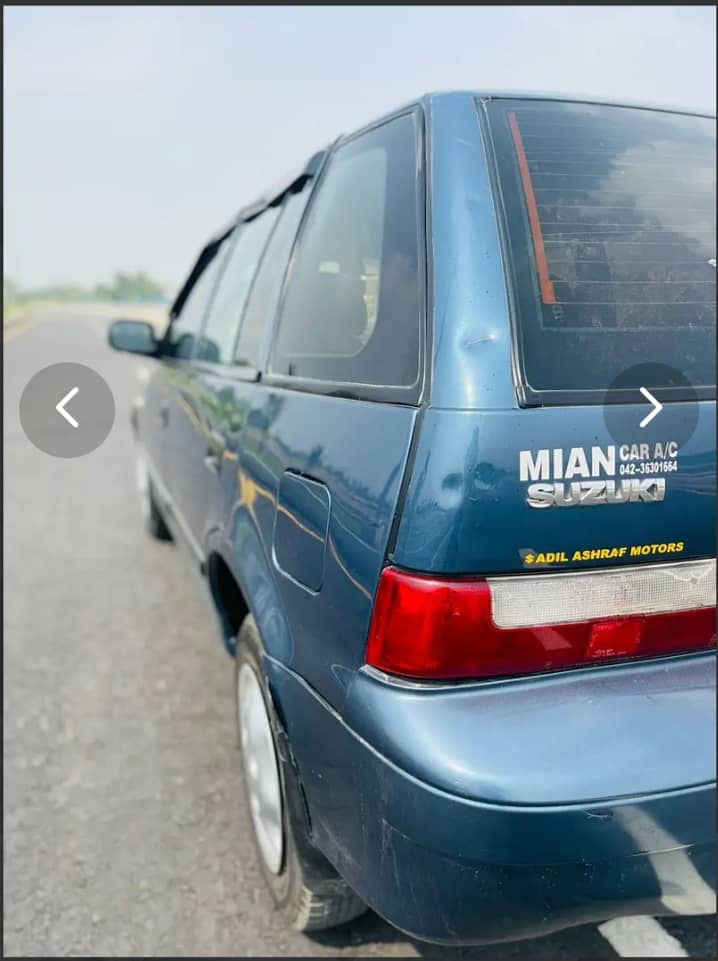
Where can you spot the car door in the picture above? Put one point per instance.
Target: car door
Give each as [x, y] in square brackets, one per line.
[325, 444]
[151, 413]
[205, 390]
[178, 409]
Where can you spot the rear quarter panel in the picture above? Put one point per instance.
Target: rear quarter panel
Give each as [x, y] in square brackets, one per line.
[356, 450]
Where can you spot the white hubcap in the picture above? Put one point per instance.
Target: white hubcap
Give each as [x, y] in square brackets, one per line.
[260, 769]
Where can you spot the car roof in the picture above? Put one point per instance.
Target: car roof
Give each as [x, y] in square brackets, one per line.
[314, 163]
[311, 167]
[493, 94]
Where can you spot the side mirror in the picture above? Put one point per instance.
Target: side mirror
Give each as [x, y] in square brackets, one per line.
[133, 336]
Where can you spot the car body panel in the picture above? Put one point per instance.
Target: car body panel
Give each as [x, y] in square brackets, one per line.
[267, 432]
[150, 424]
[471, 364]
[509, 742]
[453, 870]
[479, 811]
[359, 455]
[194, 488]
[467, 510]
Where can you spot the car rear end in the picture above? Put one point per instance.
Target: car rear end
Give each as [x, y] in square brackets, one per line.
[531, 743]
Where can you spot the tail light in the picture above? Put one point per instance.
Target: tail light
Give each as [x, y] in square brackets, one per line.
[434, 627]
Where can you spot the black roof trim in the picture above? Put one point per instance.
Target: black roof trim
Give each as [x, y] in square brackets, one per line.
[274, 195]
[206, 255]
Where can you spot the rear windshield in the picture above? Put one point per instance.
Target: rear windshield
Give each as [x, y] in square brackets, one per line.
[610, 216]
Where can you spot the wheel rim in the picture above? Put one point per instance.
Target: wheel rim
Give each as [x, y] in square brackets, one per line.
[261, 772]
[143, 487]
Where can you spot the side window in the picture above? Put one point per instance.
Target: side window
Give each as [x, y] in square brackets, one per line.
[240, 265]
[269, 277]
[184, 329]
[351, 311]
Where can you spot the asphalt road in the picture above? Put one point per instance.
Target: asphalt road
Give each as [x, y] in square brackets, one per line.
[124, 828]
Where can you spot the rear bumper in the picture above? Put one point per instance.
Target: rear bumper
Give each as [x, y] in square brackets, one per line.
[455, 901]
[455, 869]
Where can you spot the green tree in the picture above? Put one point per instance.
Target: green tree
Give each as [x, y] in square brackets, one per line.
[137, 286]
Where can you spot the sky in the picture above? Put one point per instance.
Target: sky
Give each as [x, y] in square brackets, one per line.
[133, 133]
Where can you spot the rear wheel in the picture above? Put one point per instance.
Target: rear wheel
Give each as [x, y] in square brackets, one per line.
[304, 886]
[151, 515]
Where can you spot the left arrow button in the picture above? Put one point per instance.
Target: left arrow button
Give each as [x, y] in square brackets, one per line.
[82, 399]
[60, 408]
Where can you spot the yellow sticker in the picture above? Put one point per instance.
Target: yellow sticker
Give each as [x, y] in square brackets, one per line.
[583, 555]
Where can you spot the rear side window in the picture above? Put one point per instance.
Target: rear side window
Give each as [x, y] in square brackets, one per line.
[183, 332]
[217, 342]
[610, 219]
[351, 310]
[267, 281]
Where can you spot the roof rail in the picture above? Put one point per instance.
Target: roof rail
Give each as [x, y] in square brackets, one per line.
[271, 198]
[275, 194]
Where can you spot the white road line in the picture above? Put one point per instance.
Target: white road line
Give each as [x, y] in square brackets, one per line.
[641, 937]
[683, 890]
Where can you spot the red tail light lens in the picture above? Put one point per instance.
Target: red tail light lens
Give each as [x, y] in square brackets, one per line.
[619, 638]
[440, 628]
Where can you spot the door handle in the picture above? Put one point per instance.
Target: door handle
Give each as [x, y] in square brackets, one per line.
[216, 446]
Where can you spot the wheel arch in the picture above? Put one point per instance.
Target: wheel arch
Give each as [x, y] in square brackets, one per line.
[229, 599]
[241, 581]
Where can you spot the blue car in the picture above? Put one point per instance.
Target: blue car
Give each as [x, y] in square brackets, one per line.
[435, 418]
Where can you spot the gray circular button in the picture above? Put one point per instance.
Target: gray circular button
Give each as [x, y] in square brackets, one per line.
[67, 410]
[654, 388]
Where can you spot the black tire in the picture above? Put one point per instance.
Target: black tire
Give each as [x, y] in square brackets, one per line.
[152, 517]
[306, 890]
[154, 521]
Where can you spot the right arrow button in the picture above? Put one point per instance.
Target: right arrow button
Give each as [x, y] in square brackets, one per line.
[657, 407]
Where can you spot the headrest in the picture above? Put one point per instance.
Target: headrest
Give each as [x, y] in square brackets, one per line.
[335, 314]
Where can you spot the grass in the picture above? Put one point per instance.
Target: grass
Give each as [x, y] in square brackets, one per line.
[13, 313]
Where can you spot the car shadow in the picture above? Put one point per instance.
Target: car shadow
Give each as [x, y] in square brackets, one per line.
[575, 943]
